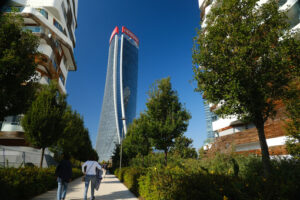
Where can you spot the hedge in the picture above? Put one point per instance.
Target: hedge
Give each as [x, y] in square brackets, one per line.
[25, 183]
[214, 180]
[130, 176]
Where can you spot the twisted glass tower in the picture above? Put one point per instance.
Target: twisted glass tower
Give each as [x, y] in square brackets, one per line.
[119, 101]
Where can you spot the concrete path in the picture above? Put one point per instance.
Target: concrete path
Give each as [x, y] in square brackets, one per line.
[110, 189]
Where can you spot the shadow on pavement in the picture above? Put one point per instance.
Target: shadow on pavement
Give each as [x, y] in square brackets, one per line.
[114, 195]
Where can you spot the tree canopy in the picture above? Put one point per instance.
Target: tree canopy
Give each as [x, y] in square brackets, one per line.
[137, 141]
[244, 60]
[75, 137]
[43, 122]
[167, 117]
[17, 65]
[293, 124]
[183, 148]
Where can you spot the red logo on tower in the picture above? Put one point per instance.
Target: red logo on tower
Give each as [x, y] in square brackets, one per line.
[130, 34]
[115, 31]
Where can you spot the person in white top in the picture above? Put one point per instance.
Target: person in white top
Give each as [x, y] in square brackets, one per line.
[89, 169]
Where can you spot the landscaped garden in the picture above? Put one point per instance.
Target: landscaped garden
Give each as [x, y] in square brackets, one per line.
[220, 177]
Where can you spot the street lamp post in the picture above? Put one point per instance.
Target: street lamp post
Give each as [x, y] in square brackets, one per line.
[122, 136]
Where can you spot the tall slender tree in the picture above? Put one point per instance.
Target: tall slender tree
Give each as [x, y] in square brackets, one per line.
[43, 122]
[73, 137]
[137, 140]
[247, 58]
[17, 65]
[167, 117]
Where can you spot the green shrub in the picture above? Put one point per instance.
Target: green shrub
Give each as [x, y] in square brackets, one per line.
[131, 177]
[215, 179]
[24, 183]
[221, 177]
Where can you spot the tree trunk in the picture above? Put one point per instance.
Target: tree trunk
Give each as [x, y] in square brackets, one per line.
[42, 157]
[264, 148]
[166, 157]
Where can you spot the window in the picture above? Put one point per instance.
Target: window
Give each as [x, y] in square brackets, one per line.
[43, 12]
[34, 29]
[214, 118]
[54, 64]
[282, 2]
[294, 14]
[13, 9]
[58, 26]
[16, 120]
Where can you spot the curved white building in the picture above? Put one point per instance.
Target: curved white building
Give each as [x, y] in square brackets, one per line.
[54, 22]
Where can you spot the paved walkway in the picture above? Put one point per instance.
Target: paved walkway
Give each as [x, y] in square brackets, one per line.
[110, 189]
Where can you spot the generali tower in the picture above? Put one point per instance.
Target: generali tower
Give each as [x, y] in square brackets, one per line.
[119, 101]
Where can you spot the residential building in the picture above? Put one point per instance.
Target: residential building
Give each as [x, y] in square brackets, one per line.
[54, 22]
[233, 134]
[119, 101]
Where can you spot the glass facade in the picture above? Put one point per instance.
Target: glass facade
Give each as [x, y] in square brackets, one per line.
[130, 73]
[209, 118]
[119, 86]
[58, 26]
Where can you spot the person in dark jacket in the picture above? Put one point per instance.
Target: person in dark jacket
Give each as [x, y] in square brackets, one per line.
[64, 174]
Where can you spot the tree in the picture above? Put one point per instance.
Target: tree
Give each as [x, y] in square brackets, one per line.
[116, 157]
[167, 118]
[17, 65]
[43, 122]
[247, 58]
[183, 148]
[293, 124]
[84, 147]
[75, 139]
[137, 140]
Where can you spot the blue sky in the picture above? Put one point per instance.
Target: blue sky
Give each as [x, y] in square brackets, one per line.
[165, 29]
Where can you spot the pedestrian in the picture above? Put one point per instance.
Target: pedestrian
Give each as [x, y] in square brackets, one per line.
[63, 173]
[89, 169]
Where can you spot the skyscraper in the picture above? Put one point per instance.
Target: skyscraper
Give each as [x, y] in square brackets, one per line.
[119, 101]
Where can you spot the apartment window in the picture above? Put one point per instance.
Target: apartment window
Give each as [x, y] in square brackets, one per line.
[16, 120]
[58, 26]
[13, 9]
[34, 29]
[54, 64]
[43, 12]
[282, 2]
[294, 14]
[214, 118]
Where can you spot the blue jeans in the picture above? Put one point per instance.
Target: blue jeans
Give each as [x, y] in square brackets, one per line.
[62, 189]
[88, 179]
